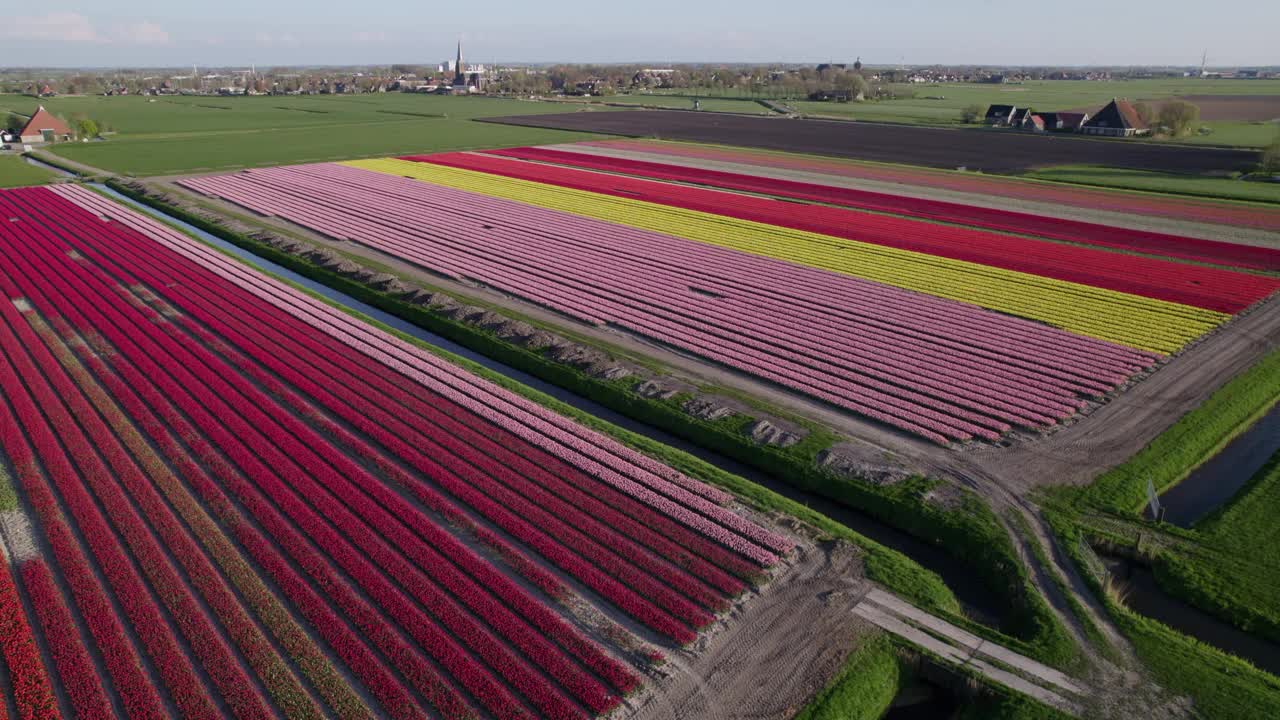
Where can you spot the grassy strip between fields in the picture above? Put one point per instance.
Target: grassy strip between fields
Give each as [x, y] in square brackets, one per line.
[1188, 443]
[864, 689]
[1163, 183]
[971, 532]
[16, 172]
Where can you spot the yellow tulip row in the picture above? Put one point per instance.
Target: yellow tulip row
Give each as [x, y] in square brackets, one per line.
[1132, 320]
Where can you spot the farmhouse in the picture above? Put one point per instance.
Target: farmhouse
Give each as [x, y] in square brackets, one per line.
[1117, 119]
[1064, 121]
[1000, 115]
[43, 127]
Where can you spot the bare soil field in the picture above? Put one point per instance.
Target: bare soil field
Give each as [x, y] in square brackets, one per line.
[998, 152]
[1237, 108]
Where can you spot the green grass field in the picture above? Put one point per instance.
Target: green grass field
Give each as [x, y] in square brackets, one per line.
[1219, 187]
[16, 172]
[175, 135]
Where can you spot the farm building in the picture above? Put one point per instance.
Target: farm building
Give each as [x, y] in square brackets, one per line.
[44, 127]
[1033, 122]
[1064, 121]
[1117, 119]
[1000, 115]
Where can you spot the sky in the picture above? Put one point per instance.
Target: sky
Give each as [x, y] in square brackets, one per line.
[296, 32]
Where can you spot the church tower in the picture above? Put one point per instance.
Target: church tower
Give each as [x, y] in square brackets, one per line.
[459, 77]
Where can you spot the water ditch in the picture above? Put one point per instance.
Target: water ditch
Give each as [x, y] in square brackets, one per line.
[1214, 483]
[46, 166]
[1141, 593]
[978, 601]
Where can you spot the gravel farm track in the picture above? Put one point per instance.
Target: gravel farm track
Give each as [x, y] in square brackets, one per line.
[989, 151]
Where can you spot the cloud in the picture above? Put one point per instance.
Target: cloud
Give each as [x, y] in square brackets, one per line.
[371, 37]
[142, 33]
[266, 39]
[69, 27]
[59, 26]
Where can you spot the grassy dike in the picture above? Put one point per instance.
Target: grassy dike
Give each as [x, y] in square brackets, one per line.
[971, 532]
[1205, 566]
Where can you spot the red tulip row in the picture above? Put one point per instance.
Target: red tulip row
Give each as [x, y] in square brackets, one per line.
[28, 679]
[560, 434]
[1185, 208]
[75, 668]
[200, 359]
[285, 689]
[100, 457]
[1022, 223]
[280, 448]
[353, 501]
[381, 682]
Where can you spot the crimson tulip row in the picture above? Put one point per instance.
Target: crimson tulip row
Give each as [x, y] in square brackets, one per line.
[274, 446]
[126, 334]
[668, 470]
[982, 187]
[560, 435]
[1004, 221]
[296, 454]
[285, 689]
[76, 672]
[29, 683]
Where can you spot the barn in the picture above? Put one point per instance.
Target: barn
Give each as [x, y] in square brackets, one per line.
[43, 127]
[1117, 119]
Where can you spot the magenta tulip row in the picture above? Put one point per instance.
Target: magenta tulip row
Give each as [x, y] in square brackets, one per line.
[599, 456]
[428, 634]
[928, 377]
[29, 684]
[360, 420]
[294, 425]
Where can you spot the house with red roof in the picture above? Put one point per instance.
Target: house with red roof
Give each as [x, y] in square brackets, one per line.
[43, 127]
[1117, 119]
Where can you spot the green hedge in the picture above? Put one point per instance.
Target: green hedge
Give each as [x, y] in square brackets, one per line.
[971, 534]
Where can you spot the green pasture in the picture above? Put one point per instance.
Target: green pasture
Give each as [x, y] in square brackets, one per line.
[176, 135]
[16, 172]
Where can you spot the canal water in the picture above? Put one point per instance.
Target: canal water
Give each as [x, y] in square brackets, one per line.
[978, 602]
[1218, 480]
[1143, 595]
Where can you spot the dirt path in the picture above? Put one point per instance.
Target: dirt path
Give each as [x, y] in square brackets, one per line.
[1207, 231]
[775, 653]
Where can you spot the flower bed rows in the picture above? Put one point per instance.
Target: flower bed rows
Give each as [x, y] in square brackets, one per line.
[936, 368]
[209, 431]
[1140, 322]
[1185, 208]
[1192, 285]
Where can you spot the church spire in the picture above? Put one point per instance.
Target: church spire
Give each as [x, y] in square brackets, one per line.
[459, 78]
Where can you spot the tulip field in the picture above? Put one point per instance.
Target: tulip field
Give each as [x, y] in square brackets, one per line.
[252, 504]
[947, 333]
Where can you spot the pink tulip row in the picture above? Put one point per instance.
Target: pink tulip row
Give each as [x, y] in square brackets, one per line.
[950, 397]
[29, 682]
[250, 442]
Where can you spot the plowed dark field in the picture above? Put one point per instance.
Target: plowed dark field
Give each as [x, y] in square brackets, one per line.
[989, 151]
